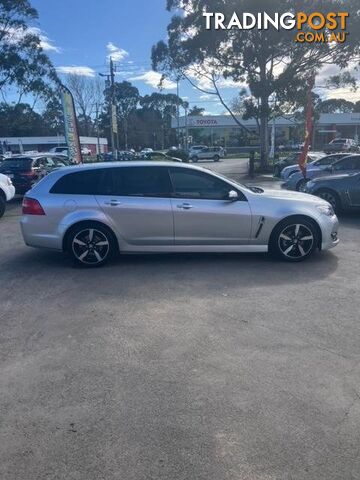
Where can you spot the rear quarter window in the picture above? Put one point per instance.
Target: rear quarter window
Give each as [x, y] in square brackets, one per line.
[78, 183]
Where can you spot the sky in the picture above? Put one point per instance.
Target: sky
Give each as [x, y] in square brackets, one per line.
[80, 35]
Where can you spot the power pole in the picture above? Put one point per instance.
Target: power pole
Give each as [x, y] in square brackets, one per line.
[110, 83]
[178, 111]
[113, 119]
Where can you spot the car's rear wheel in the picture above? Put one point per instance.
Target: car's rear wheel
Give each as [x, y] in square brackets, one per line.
[331, 197]
[195, 159]
[294, 240]
[301, 186]
[216, 158]
[91, 245]
[2, 205]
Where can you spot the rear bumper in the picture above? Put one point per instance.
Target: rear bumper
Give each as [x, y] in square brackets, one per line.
[37, 232]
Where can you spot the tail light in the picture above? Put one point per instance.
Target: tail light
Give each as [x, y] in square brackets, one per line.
[30, 206]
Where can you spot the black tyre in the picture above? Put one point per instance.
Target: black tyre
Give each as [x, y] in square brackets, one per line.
[277, 171]
[294, 240]
[331, 197]
[301, 185]
[2, 205]
[216, 158]
[195, 159]
[91, 244]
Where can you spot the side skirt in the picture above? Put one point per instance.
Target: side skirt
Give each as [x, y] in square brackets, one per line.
[197, 248]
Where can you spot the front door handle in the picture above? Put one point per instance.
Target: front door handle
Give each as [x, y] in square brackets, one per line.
[113, 203]
[185, 206]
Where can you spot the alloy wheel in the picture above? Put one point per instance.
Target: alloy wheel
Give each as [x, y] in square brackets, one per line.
[90, 246]
[296, 241]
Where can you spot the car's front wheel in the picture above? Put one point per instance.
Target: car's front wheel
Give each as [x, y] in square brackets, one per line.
[91, 245]
[301, 186]
[294, 240]
[216, 158]
[331, 197]
[195, 159]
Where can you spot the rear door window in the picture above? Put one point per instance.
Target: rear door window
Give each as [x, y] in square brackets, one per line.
[136, 182]
[18, 163]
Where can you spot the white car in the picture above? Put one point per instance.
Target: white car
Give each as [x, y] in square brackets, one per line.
[63, 150]
[7, 192]
[146, 150]
[85, 151]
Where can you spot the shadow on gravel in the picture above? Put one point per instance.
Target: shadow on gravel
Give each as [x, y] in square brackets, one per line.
[173, 271]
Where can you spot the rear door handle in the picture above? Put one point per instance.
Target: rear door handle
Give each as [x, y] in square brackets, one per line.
[185, 206]
[113, 203]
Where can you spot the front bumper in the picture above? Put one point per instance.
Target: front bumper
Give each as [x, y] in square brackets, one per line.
[330, 232]
[10, 192]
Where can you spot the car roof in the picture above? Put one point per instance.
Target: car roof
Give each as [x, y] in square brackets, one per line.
[137, 163]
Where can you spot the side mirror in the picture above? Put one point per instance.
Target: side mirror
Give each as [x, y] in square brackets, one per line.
[233, 196]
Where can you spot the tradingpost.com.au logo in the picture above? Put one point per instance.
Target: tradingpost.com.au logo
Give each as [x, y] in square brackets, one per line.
[311, 27]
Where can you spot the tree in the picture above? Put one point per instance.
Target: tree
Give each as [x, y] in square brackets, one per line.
[335, 105]
[127, 98]
[196, 111]
[20, 120]
[53, 116]
[269, 61]
[23, 64]
[166, 106]
[87, 97]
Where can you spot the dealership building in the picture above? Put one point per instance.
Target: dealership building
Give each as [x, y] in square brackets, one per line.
[44, 144]
[223, 130]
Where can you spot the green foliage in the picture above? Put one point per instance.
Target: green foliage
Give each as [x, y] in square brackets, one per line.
[196, 111]
[23, 64]
[21, 121]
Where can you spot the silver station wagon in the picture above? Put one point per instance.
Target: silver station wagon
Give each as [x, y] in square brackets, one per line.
[93, 212]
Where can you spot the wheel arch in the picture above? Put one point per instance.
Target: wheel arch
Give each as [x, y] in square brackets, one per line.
[294, 218]
[86, 223]
[2, 194]
[332, 191]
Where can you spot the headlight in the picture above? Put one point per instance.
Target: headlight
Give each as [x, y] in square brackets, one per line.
[326, 210]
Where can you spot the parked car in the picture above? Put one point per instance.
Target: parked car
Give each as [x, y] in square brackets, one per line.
[347, 145]
[146, 150]
[341, 191]
[64, 150]
[25, 171]
[85, 151]
[348, 164]
[7, 192]
[208, 153]
[159, 156]
[194, 149]
[320, 164]
[293, 159]
[169, 207]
